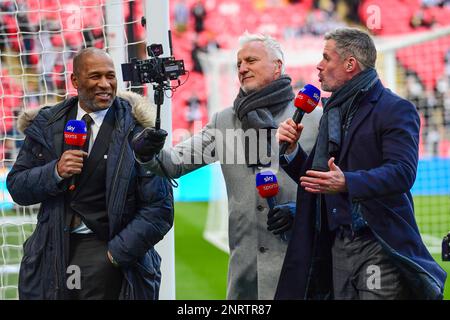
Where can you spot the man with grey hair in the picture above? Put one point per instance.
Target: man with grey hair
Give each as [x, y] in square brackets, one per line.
[356, 236]
[264, 99]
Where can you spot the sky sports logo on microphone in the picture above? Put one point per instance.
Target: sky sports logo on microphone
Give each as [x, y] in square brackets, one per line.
[309, 101]
[311, 92]
[265, 177]
[267, 184]
[75, 133]
[268, 187]
[307, 98]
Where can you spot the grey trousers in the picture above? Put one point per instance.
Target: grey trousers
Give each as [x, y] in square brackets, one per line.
[363, 271]
[100, 280]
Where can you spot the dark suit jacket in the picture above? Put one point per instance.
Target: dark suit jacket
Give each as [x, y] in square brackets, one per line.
[379, 159]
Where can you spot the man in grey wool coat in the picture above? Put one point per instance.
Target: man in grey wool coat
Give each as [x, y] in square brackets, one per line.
[242, 139]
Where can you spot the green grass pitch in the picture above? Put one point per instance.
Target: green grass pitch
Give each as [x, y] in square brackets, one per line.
[201, 268]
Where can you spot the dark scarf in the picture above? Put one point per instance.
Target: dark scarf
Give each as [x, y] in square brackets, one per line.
[256, 110]
[338, 113]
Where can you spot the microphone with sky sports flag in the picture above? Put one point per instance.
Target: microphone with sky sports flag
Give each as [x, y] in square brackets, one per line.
[75, 134]
[267, 186]
[279, 218]
[306, 101]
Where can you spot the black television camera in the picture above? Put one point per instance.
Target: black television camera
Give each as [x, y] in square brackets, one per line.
[153, 70]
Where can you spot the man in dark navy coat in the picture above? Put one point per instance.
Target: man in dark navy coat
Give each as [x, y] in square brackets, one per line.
[355, 235]
[95, 242]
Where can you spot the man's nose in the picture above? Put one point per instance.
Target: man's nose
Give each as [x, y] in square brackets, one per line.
[104, 83]
[243, 68]
[319, 66]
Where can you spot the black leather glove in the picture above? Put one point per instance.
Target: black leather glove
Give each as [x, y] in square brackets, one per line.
[147, 143]
[281, 218]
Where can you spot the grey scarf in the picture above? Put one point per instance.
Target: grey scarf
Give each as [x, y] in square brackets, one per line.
[256, 109]
[338, 114]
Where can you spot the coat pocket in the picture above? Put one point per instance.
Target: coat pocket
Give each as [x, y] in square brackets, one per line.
[38, 154]
[142, 280]
[31, 283]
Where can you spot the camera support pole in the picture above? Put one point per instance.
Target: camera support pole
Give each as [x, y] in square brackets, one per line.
[159, 100]
[157, 14]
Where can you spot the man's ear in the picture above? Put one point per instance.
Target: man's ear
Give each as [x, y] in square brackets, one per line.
[279, 66]
[74, 80]
[351, 64]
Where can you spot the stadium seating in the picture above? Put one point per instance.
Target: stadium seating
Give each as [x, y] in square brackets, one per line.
[227, 15]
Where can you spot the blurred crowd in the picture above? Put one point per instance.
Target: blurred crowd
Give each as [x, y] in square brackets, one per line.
[434, 108]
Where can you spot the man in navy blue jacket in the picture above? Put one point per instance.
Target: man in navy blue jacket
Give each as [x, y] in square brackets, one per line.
[94, 242]
[355, 235]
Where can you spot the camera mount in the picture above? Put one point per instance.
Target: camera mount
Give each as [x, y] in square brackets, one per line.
[158, 71]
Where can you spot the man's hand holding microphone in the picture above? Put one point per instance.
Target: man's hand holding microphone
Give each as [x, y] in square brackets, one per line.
[280, 217]
[70, 163]
[288, 134]
[305, 102]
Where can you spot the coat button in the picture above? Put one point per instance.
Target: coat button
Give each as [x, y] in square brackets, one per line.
[260, 208]
[262, 249]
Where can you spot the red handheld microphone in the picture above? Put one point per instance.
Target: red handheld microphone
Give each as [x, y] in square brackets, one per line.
[306, 101]
[75, 134]
[267, 186]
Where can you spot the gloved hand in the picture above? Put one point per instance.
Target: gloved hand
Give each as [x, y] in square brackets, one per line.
[281, 218]
[147, 143]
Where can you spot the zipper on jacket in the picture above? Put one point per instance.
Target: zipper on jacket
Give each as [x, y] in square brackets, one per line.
[57, 287]
[122, 151]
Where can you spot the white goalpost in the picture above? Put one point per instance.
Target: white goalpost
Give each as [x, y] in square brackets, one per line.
[157, 16]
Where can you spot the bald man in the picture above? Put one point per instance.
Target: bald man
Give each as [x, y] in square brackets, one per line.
[94, 241]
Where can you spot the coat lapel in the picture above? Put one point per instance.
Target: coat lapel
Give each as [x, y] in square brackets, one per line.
[58, 133]
[56, 126]
[100, 147]
[58, 137]
[363, 111]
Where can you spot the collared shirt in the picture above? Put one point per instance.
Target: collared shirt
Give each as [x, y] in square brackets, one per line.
[291, 156]
[97, 118]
